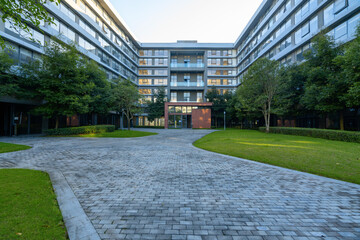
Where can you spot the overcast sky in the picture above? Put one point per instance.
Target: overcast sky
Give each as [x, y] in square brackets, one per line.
[170, 20]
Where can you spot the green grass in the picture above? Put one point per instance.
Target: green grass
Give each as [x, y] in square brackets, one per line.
[28, 206]
[9, 147]
[333, 159]
[115, 134]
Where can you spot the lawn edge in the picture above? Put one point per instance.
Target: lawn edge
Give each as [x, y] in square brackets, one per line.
[278, 167]
[77, 223]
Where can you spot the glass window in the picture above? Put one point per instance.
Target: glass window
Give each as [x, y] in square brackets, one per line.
[199, 98]
[328, 14]
[178, 109]
[305, 8]
[298, 36]
[339, 5]
[39, 38]
[314, 24]
[298, 16]
[12, 50]
[25, 56]
[313, 4]
[171, 109]
[55, 25]
[340, 33]
[305, 29]
[352, 24]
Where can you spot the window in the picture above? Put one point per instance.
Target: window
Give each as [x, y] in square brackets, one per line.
[67, 32]
[339, 5]
[55, 25]
[187, 96]
[305, 29]
[313, 4]
[314, 24]
[305, 8]
[145, 72]
[352, 24]
[298, 36]
[199, 97]
[173, 96]
[297, 16]
[145, 91]
[67, 11]
[340, 33]
[12, 50]
[328, 14]
[25, 56]
[160, 72]
[161, 81]
[187, 77]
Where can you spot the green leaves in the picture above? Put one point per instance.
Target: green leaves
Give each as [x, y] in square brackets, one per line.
[156, 108]
[22, 12]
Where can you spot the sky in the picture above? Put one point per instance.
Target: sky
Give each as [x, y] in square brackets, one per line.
[206, 21]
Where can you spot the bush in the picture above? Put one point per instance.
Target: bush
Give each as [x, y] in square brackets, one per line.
[80, 130]
[337, 135]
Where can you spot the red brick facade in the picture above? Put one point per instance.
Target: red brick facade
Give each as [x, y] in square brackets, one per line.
[201, 118]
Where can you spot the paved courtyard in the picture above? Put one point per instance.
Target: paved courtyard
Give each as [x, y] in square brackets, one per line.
[161, 187]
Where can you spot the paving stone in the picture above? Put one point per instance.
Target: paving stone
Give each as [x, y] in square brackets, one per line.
[161, 187]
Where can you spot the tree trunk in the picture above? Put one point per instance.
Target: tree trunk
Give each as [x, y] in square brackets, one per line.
[57, 122]
[128, 123]
[341, 120]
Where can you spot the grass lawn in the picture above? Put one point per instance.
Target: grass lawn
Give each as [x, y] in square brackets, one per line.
[28, 206]
[115, 134]
[9, 147]
[334, 159]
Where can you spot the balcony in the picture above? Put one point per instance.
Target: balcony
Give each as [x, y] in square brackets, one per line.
[186, 84]
[187, 67]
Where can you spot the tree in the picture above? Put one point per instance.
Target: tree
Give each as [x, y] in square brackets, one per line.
[324, 86]
[62, 82]
[258, 89]
[220, 103]
[288, 97]
[8, 83]
[126, 98]
[350, 63]
[155, 108]
[21, 12]
[101, 97]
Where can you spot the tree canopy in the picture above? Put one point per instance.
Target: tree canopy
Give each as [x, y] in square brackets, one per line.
[126, 98]
[259, 87]
[156, 108]
[21, 12]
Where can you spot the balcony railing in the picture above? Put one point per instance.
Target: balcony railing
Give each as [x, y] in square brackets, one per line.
[187, 84]
[187, 65]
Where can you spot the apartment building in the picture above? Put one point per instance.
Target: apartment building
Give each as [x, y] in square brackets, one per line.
[280, 30]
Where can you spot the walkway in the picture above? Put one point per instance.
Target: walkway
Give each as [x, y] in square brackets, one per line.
[161, 187]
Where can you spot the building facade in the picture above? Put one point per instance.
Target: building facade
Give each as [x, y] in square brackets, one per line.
[280, 30]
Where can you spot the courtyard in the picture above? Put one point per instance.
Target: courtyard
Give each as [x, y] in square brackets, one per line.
[162, 187]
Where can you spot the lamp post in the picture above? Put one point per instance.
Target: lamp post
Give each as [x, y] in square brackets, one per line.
[224, 120]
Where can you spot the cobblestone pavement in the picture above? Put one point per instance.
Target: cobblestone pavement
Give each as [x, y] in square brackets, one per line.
[161, 187]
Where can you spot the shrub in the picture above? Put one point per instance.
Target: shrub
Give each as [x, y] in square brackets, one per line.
[80, 130]
[344, 136]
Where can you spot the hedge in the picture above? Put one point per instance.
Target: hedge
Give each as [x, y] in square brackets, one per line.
[158, 127]
[337, 135]
[80, 130]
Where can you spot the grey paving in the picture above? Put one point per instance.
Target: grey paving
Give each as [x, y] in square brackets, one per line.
[160, 187]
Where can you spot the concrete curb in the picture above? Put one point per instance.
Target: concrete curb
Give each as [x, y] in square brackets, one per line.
[78, 225]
